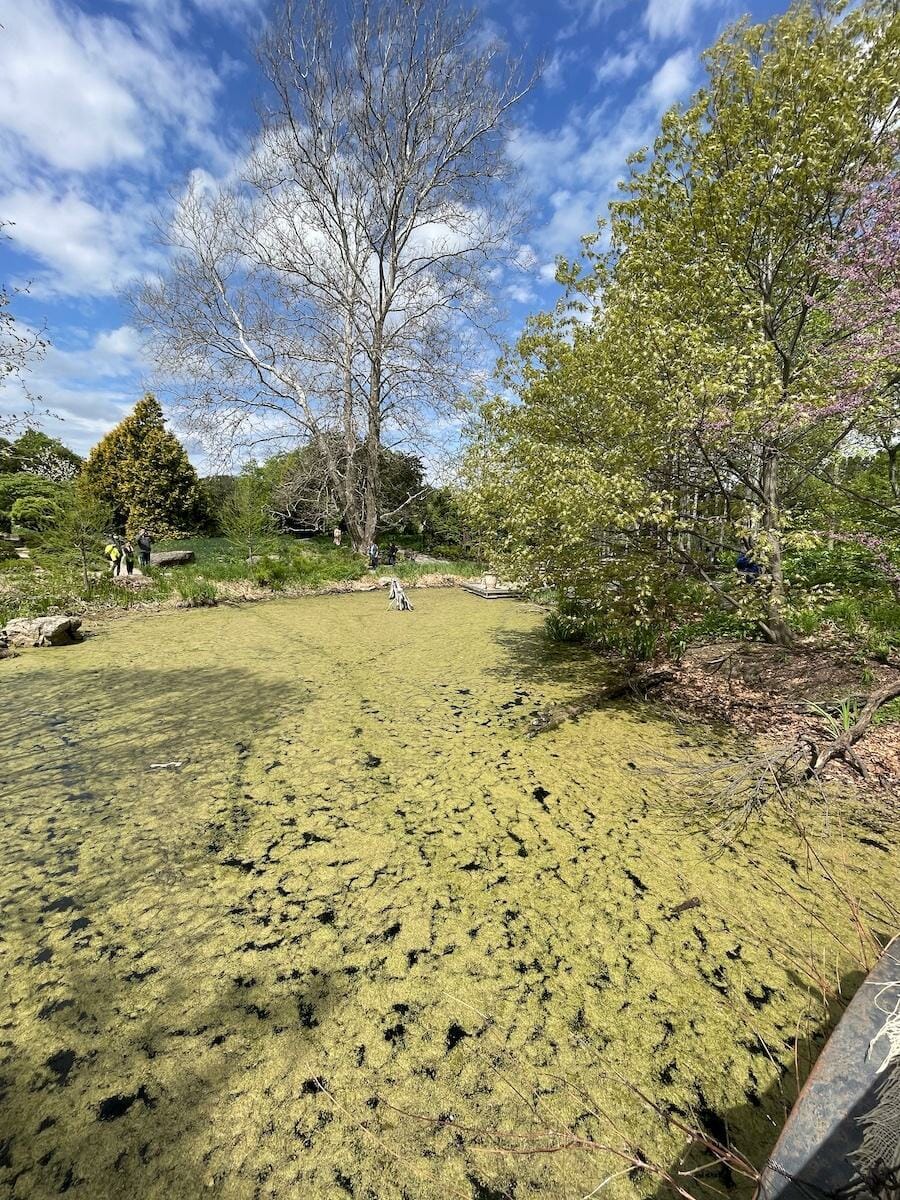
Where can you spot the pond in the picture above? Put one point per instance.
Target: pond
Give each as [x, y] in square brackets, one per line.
[293, 907]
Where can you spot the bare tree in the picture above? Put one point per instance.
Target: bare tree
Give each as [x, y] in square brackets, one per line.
[20, 348]
[334, 292]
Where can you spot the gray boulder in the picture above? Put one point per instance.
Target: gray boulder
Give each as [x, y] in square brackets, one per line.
[43, 631]
[171, 558]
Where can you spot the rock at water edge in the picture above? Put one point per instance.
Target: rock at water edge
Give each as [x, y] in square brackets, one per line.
[43, 631]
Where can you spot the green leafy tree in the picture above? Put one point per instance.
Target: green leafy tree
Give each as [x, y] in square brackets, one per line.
[679, 403]
[35, 453]
[141, 470]
[22, 486]
[246, 517]
[76, 535]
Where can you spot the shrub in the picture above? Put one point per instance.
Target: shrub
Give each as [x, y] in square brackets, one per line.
[34, 512]
[270, 573]
[197, 593]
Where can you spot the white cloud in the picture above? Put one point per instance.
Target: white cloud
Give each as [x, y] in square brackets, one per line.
[620, 65]
[81, 92]
[586, 14]
[575, 169]
[673, 79]
[119, 344]
[87, 388]
[85, 248]
[521, 293]
[556, 71]
[673, 18]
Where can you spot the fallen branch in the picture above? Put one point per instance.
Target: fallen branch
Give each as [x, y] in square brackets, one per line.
[842, 747]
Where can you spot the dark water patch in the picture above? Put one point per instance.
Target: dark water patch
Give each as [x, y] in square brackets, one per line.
[455, 1034]
[42, 956]
[115, 1107]
[60, 904]
[540, 794]
[54, 1006]
[483, 1191]
[760, 999]
[867, 841]
[307, 1014]
[61, 1064]
[78, 924]
[138, 976]
[638, 884]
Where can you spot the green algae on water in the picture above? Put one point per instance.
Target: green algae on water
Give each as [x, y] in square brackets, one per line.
[294, 908]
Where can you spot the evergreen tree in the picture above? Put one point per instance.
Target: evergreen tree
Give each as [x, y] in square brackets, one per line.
[142, 472]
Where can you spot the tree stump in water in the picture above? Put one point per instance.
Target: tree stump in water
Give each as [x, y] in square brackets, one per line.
[399, 598]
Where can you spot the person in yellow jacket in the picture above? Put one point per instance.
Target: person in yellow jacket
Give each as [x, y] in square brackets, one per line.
[112, 552]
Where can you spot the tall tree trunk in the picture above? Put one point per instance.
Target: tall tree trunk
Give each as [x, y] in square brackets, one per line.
[372, 448]
[776, 626]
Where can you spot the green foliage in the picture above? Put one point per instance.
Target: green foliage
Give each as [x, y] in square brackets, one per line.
[216, 490]
[21, 486]
[270, 573]
[142, 472]
[246, 518]
[79, 529]
[648, 435]
[838, 719]
[197, 593]
[35, 453]
[34, 512]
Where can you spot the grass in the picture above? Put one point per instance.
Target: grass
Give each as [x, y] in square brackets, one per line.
[35, 586]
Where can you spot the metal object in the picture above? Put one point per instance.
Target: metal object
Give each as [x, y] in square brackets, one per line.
[847, 1106]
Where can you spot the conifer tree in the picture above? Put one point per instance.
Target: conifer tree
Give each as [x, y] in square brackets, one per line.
[142, 472]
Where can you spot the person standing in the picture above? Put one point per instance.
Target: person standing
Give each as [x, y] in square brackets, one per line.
[144, 545]
[337, 535]
[114, 555]
[127, 558]
[374, 556]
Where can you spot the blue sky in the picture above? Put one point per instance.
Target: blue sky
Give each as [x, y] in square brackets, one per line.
[106, 106]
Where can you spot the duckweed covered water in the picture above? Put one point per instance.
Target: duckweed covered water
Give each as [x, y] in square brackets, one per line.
[369, 940]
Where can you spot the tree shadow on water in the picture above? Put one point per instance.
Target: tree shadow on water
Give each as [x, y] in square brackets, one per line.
[105, 1107]
[87, 730]
[529, 656]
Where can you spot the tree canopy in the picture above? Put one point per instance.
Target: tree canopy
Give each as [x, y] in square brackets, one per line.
[677, 406]
[142, 472]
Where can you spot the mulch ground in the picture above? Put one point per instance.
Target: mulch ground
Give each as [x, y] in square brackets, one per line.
[765, 691]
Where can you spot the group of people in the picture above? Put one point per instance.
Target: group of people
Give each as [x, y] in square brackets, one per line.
[390, 555]
[120, 553]
[374, 552]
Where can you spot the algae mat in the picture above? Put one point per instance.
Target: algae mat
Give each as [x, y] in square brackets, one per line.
[368, 939]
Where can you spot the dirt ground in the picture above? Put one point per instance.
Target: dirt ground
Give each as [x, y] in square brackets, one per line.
[766, 692]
